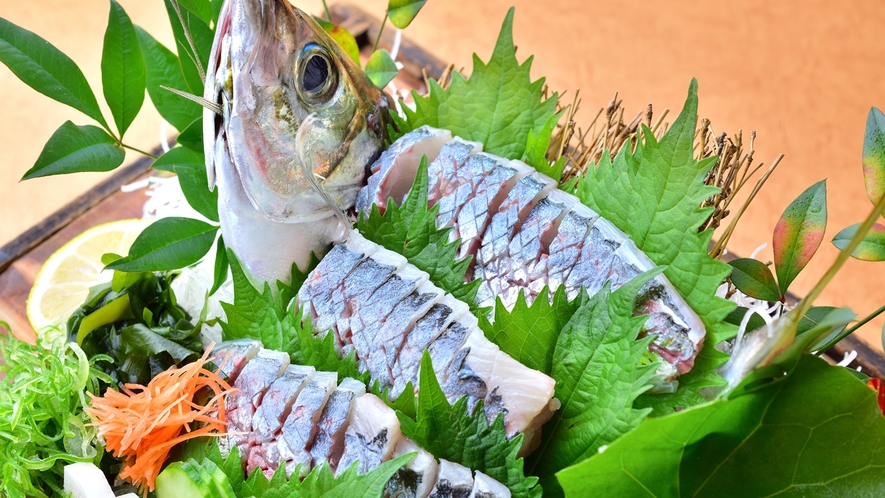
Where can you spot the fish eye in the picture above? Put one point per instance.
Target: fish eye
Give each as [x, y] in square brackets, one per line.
[318, 77]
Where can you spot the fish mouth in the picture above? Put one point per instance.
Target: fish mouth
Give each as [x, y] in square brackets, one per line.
[256, 74]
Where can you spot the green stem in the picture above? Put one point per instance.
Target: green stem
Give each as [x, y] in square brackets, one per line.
[138, 150]
[851, 330]
[328, 14]
[378, 39]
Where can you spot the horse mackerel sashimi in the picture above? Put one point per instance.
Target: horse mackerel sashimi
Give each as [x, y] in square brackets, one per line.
[353, 428]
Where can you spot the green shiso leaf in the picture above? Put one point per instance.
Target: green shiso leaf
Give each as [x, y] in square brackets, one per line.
[319, 483]
[497, 105]
[799, 233]
[410, 230]
[653, 195]
[46, 69]
[168, 244]
[262, 316]
[74, 149]
[598, 373]
[202, 37]
[122, 69]
[784, 439]
[449, 432]
[529, 333]
[536, 149]
[163, 69]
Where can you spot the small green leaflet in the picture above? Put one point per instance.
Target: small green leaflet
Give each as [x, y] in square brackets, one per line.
[410, 230]
[345, 40]
[799, 233]
[163, 69]
[192, 136]
[179, 156]
[448, 432]
[319, 483]
[497, 105]
[46, 69]
[872, 248]
[74, 149]
[598, 376]
[536, 149]
[122, 69]
[403, 12]
[754, 278]
[784, 439]
[874, 155]
[653, 195]
[529, 333]
[381, 68]
[261, 316]
[168, 244]
[195, 186]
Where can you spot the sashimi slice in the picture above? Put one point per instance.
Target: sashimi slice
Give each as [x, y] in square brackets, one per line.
[486, 487]
[232, 356]
[416, 478]
[301, 424]
[446, 186]
[328, 444]
[371, 437]
[394, 172]
[566, 247]
[453, 481]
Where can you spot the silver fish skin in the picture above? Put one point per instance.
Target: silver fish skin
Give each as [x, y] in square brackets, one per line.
[445, 181]
[453, 481]
[328, 444]
[252, 382]
[270, 67]
[371, 437]
[232, 356]
[486, 487]
[300, 427]
[416, 478]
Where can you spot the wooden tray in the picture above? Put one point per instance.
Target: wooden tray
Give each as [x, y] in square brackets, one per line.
[21, 259]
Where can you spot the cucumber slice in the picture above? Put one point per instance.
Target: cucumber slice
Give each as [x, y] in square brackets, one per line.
[190, 479]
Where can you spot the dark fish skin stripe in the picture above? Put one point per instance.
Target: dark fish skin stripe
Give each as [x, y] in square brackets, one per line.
[329, 441]
[324, 281]
[425, 331]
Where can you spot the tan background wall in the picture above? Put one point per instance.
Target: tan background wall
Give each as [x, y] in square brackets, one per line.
[803, 75]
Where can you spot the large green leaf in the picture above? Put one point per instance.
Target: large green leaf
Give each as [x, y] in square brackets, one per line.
[871, 248]
[653, 195]
[195, 184]
[598, 376]
[122, 69]
[753, 278]
[449, 432]
[818, 432]
[497, 105]
[193, 51]
[192, 135]
[46, 69]
[163, 69]
[179, 156]
[202, 8]
[168, 244]
[874, 155]
[74, 149]
[799, 233]
[403, 12]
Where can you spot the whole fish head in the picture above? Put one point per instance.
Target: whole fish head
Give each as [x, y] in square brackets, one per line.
[271, 67]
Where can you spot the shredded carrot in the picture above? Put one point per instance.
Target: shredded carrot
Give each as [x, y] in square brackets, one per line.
[141, 424]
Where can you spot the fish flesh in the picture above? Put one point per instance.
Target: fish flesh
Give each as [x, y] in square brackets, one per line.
[454, 481]
[374, 283]
[336, 425]
[524, 235]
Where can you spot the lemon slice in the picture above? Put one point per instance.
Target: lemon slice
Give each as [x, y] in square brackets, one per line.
[65, 278]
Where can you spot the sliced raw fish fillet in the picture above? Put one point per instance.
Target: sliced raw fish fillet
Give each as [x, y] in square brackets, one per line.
[328, 444]
[486, 487]
[445, 186]
[232, 356]
[420, 337]
[301, 424]
[474, 216]
[252, 382]
[594, 266]
[416, 478]
[393, 332]
[327, 278]
[511, 213]
[525, 264]
[566, 247]
[453, 481]
[469, 182]
[394, 172]
[372, 435]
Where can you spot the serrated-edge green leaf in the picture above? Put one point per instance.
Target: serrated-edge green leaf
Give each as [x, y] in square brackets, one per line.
[163, 69]
[168, 244]
[122, 69]
[75, 149]
[754, 278]
[47, 70]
